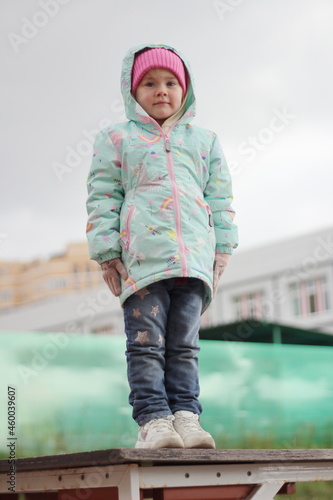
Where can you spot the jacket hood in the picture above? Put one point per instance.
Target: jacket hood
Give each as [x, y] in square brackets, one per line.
[133, 110]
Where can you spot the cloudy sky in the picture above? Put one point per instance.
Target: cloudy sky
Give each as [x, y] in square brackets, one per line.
[264, 80]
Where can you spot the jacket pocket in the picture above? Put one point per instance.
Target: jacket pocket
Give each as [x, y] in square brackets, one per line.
[204, 205]
[210, 216]
[128, 227]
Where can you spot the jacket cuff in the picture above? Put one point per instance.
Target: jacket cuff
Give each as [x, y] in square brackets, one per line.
[108, 256]
[223, 249]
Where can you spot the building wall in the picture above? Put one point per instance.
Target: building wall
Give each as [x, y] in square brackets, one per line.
[288, 282]
[27, 283]
[10, 284]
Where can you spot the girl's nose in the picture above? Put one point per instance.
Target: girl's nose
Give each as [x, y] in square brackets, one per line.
[161, 90]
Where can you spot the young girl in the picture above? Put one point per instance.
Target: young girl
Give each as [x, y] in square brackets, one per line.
[161, 226]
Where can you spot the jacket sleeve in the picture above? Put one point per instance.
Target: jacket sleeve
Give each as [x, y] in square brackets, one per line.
[105, 199]
[218, 195]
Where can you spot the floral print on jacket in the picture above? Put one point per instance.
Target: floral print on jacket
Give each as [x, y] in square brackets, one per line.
[161, 201]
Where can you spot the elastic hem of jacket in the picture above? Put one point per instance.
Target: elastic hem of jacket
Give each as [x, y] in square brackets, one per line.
[207, 294]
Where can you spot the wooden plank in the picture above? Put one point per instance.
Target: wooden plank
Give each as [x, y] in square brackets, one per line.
[31, 496]
[41, 496]
[167, 456]
[237, 492]
[92, 494]
[83, 479]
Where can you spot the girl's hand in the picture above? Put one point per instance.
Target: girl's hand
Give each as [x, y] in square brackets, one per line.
[220, 263]
[110, 272]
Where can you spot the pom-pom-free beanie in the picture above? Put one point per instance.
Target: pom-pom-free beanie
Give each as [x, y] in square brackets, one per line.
[158, 58]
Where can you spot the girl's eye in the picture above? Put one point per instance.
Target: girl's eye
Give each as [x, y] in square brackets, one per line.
[171, 84]
[149, 84]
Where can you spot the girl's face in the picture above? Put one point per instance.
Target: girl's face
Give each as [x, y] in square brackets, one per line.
[159, 94]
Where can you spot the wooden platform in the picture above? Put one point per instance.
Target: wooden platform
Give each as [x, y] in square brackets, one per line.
[165, 474]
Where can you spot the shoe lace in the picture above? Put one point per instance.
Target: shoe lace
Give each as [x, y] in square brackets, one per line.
[161, 424]
[189, 424]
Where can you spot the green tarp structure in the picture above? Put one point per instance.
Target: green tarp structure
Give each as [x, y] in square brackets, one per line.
[259, 331]
[72, 391]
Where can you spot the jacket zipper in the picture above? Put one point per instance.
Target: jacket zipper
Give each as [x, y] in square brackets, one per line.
[128, 226]
[174, 189]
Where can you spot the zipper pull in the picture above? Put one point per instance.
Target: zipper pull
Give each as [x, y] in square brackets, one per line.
[167, 146]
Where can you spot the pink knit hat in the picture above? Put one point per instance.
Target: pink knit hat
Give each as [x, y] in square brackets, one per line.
[157, 58]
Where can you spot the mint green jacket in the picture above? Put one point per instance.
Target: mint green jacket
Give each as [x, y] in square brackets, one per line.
[161, 202]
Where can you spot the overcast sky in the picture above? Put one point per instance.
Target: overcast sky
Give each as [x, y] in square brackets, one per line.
[264, 80]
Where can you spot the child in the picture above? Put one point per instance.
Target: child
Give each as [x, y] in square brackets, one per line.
[161, 226]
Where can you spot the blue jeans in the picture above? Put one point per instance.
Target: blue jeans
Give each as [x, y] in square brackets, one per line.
[162, 326]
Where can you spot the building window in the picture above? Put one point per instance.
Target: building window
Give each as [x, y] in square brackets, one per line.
[249, 305]
[76, 278]
[88, 275]
[55, 284]
[310, 296]
[6, 295]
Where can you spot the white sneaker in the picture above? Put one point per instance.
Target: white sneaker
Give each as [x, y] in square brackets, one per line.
[159, 433]
[188, 427]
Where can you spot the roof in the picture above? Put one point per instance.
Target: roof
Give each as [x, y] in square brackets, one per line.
[291, 257]
[260, 331]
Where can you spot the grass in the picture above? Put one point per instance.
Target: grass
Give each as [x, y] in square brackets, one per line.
[305, 438]
[321, 490]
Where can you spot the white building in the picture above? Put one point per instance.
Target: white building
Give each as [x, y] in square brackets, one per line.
[288, 282]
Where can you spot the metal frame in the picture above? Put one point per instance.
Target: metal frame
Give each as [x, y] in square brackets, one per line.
[131, 479]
